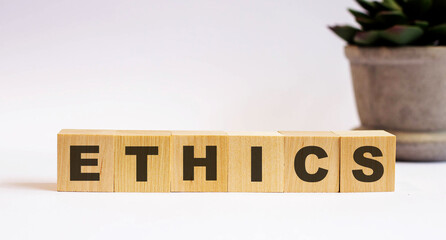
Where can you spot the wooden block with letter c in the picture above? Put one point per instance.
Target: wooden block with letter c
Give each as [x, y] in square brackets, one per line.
[311, 161]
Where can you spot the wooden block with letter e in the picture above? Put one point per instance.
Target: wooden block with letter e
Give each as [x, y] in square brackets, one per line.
[311, 161]
[142, 161]
[85, 160]
[255, 162]
[199, 161]
[367, 161]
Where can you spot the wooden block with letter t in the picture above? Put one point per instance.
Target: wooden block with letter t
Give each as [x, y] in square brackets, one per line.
[199, 161]
[85, 160]
[311, 161]
[367, 161]
[255, 162]
[142, 161]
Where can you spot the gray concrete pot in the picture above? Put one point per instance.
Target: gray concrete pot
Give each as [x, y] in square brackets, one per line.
[403, 90]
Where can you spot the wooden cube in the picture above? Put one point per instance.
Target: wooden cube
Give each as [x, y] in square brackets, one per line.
[85, 160]
[142, 161]
[199, 161]
[255, 162]
[311, 161]
[367, 161]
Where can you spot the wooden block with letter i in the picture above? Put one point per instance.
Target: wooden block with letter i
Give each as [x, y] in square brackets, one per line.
[311, 161]
[367, 161]
[199, 161]
[142, 161]
[85, 160]
[255, 162]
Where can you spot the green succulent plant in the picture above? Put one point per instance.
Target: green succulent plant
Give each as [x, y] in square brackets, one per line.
[396, 23]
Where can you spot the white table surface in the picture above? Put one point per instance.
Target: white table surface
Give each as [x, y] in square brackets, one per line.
[30, 207]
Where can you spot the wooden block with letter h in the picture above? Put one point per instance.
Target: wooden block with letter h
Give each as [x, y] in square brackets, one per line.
[255, 162]
[199, 161]
[367, 161]
[311, 161]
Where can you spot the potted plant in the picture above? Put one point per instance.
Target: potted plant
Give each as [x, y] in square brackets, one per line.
[398, 65]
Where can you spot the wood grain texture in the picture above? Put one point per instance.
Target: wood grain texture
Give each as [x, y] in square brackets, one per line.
[106, 160]
[295, 141]
[240, 178]
[199, 140]
[104, 140]
[350, 142]
[158, 166]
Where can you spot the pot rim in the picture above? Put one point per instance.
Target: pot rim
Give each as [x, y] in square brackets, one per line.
[392, 47]
[395, 55]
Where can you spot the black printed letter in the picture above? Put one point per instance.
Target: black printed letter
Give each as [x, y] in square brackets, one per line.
[299, 164]
[256, 164]
[210, 162]
[141, 160]
[377, 167]
[76, 162]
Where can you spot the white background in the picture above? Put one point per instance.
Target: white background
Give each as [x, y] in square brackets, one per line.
[207, 65]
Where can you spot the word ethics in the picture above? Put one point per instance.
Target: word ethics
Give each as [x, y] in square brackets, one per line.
[215, 161]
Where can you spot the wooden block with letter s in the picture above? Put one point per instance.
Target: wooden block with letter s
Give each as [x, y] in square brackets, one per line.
[311, 161]
[199, 161]
[367, 161]
[142, 161]
[255, 162]
[85, 160]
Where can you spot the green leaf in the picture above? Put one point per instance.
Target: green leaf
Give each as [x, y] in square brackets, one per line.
[392, 5]
[416, 8]
[439, 4]
[422, 24]
[380, 6]
[367, 22]
[439, 30]
[369, 6]
[390, 18]
[366, 38]
[345, 32]
[358, 14]
[437, 15]
[401, 34]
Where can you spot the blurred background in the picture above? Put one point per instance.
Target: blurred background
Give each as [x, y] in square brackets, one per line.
[209, 65]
